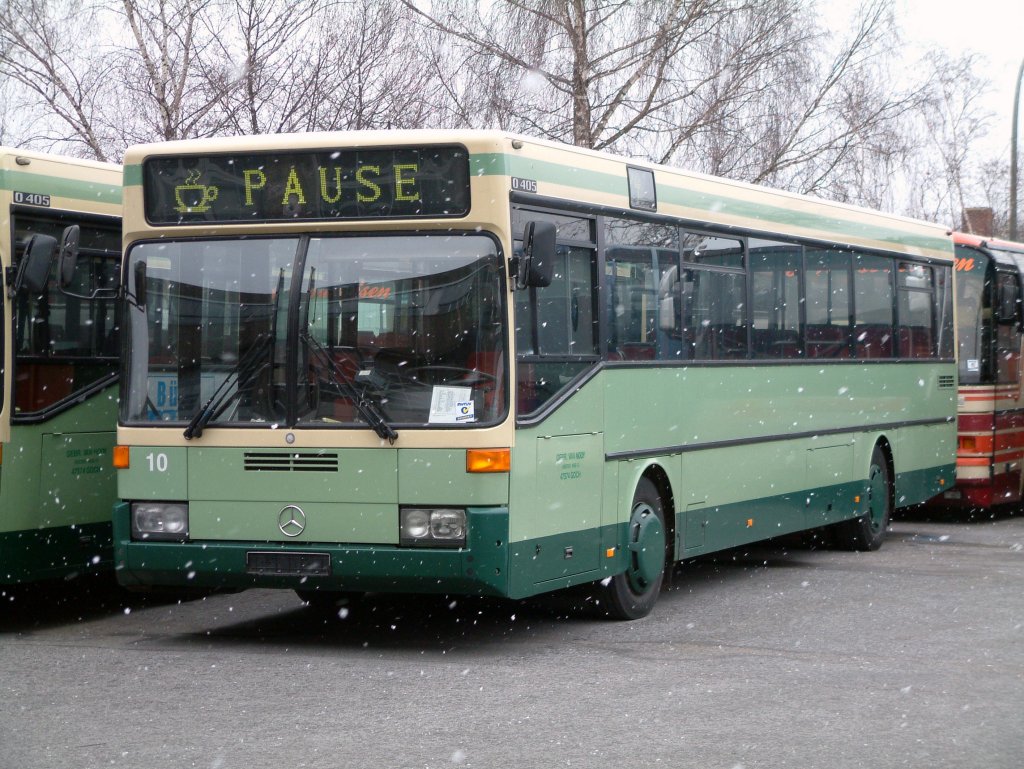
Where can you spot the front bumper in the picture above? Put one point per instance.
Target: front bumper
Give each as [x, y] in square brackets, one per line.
[480, 568]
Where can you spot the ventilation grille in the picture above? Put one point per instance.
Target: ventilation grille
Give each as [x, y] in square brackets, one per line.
[947, 382]
[290, 461]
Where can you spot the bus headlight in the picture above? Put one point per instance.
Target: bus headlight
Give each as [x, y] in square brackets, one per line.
[160, 521]
[432, 527]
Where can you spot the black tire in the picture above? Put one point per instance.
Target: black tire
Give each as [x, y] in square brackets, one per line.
[867, 532]
[633, 593]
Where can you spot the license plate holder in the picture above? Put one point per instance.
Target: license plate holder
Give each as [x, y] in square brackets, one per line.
[277, 563]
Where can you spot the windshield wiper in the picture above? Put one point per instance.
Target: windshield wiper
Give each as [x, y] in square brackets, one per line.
[366, 408]
[247, 366]
[251, 364]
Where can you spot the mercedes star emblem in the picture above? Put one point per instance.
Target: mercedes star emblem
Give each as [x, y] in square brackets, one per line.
[291, 521]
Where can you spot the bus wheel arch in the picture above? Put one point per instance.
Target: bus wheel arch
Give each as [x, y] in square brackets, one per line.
[649, 544]
[657, 475]
[867, 531]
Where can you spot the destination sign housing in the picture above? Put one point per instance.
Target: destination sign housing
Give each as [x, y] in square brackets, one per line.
[308, 185]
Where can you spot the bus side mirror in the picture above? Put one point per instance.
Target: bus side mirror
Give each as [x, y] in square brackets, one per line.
[67, 264]
[536, 267]
[34, 269]
[67, 259]
[1008, 303]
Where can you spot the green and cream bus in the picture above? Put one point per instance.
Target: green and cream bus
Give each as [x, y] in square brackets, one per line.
[481, 363]
[59, 355]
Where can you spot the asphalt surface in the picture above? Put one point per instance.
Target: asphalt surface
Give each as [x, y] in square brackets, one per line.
[781, 655]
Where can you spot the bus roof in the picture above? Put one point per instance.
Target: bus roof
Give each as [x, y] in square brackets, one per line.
[563, 172]
[69, 183]
[978, 241]
[10, 154]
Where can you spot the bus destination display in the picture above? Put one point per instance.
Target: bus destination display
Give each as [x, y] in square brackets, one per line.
[308, 185]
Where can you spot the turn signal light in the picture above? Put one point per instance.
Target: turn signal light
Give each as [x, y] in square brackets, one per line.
[120, 457]
[488, 460]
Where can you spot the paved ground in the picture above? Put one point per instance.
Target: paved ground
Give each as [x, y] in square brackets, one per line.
[775, 656]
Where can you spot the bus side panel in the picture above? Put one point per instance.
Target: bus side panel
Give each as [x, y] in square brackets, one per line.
[922, 462]
[742, 479]
[556, 497]
[721, 436]
[59, 525]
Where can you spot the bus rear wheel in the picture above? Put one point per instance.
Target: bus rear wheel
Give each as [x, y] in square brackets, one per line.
[633, 593]
[867, 532]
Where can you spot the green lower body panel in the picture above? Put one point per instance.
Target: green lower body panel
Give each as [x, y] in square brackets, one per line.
[563, 560]
[553, 562]
[55, 553]
[480, 568]
[917, 487]
[725, 526]
[490, 564]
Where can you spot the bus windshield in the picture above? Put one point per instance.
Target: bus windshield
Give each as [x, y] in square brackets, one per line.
[380, 331]
[974, 316]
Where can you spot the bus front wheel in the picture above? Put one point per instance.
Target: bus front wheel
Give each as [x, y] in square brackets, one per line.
[633, 593]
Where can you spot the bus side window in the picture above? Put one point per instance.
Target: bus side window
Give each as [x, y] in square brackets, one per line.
[65, 344]
[714, 320]
[873, 306]
[638, 256]
[775, 273]
[1007, 328]
[715, 325]
[827, 287]
[915, 333]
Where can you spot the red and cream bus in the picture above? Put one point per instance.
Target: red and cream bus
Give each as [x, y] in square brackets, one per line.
[990, 445]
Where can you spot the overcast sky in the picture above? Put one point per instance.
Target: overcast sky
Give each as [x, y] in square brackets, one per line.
[993, 28]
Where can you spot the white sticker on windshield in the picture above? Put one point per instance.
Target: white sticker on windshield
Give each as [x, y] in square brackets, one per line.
[450, 405]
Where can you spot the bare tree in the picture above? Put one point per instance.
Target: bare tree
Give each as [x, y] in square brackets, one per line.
[382, 76]
[96, 76]
[945, 175]
[993, 191]
[584, 71]
[753, 90]
[62, 79]
[314, 65]
[837, 110]
[173, 69]
[277, 69]
[170, 71]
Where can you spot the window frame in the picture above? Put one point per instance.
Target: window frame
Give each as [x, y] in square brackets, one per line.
[62, 218]
[588, 363]
[524, 204]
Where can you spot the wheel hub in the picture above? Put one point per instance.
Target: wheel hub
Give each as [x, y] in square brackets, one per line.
[646, 546]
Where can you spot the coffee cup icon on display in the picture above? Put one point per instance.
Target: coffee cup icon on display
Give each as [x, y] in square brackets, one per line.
[194, 198]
